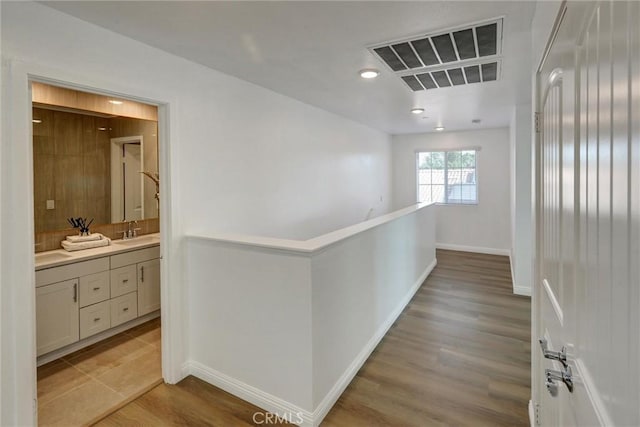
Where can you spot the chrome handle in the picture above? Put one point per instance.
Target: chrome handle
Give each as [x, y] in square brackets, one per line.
[566, 376]
[75, 292]
[142, 273]
[560, 356]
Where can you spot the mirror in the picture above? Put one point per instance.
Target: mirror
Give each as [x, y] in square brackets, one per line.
[92, 164]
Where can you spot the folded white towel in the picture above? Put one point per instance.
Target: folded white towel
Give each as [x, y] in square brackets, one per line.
[70, 246]
[89, 238]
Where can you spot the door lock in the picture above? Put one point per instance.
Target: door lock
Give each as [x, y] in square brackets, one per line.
[552, 376]
[560, 356]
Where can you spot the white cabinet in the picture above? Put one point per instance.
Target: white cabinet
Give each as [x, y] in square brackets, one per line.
[56, 315]
[94, 319]
[81, 299]
[123, 280]
[148, 286]
[94, 288]
[124, 308]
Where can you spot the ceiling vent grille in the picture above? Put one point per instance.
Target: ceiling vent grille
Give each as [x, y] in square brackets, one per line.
[471, 54]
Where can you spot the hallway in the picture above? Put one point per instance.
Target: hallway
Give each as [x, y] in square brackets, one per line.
[458, 355]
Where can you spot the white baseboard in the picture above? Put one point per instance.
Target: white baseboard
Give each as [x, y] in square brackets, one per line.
[532, 415]
[338, 388]
[266, 401]
[287, 410]
[477, 249]
[522, 290]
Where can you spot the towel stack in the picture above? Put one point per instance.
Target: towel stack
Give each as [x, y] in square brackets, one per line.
[93, 240]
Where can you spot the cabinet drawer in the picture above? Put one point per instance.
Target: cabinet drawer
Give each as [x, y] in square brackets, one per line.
[94, 288]
[71, 271]
[123, 280]
[124, 308]
[94, 318]
[135, 257]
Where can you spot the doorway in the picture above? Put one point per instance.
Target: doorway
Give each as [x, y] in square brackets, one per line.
[98, 331]
[127, 180]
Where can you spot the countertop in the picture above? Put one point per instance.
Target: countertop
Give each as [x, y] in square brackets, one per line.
[60, 257]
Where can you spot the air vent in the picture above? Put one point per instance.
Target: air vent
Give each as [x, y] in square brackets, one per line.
[460, 56]
[452, 76]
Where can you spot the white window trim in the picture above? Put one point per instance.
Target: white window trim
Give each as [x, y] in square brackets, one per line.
[445, 150]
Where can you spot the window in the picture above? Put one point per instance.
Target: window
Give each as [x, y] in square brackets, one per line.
[447, 177]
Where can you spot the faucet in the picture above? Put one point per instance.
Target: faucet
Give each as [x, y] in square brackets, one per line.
[131, 231]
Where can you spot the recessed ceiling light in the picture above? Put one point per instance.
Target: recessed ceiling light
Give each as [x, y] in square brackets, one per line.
[36, 121]
[439, 128]
[102, 128]
[476, 121]
[417, 110]
[369, 73]
[114, 102]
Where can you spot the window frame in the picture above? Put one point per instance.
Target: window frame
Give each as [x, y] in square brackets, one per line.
[445, 151]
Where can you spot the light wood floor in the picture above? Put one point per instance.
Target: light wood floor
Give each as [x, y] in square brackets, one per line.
[84, 386]
[458, 355]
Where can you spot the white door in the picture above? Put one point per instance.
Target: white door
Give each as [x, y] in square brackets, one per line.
[148, 286]
[56, 316]
[588, 217]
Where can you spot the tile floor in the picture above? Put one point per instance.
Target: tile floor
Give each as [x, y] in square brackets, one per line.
[83, 387]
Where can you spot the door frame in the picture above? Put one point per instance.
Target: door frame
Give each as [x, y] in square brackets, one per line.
[19, 392]
[116, 178]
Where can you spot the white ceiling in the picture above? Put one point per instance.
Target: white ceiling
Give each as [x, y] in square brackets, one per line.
[312, 51]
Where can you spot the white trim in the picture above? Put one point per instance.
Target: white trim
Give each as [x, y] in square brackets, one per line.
[477, 249]
[338, 388]
[276, 405]
[522, 290]
[246, 392]
[554, 301]
[532, 415]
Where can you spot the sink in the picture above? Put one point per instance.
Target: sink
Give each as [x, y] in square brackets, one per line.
[142, 240]
[53, 257]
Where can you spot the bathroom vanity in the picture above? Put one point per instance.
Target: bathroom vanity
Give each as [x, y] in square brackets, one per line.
[86, 296]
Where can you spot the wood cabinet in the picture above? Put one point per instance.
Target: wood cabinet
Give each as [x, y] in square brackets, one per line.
[148, 286]
[56, 315]
[78, 300]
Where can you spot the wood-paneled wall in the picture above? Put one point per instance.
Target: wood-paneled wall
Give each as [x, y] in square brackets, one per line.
[54, 95]
[71, 165]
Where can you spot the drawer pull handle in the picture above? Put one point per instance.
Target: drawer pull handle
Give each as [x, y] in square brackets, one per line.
[125, 309]
[125, 280]
[97, 319]
[96, 289]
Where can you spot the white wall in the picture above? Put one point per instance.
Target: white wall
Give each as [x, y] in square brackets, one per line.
[234, 157]
[521, 213]
[287, 327]
[482, 227]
